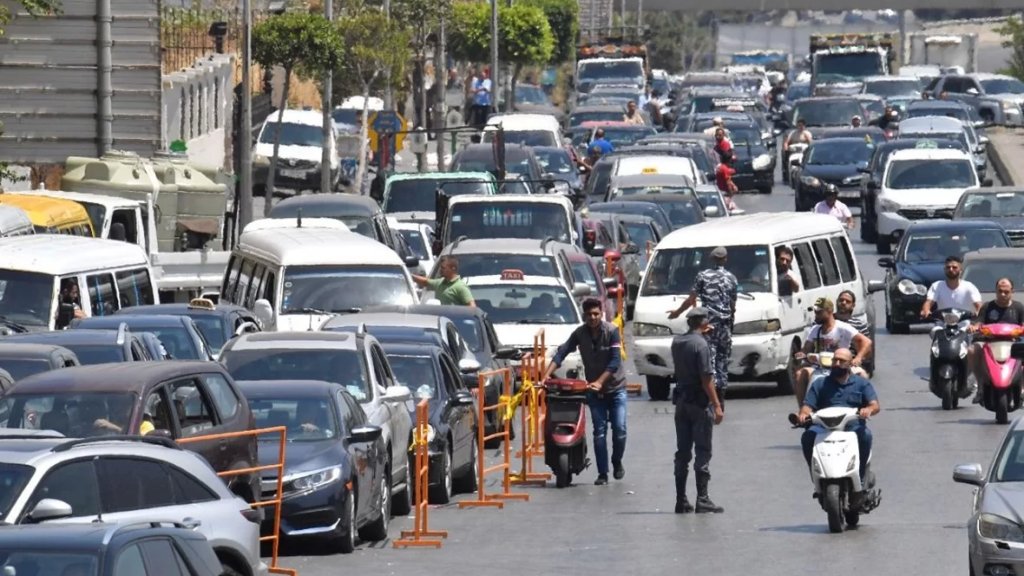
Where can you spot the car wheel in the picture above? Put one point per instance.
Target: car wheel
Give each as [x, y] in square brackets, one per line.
[227, 569]
[401, 503]
[786, 379]
[346, 540]
[894, 326]
[442, 493]
[378, 529]
[658, 387]
[467, 483]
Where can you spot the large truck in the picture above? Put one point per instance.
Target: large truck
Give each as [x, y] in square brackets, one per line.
[840, 62]
[948, 51]
[604, 57]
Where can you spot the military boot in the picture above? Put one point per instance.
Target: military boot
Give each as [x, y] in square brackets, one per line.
[704, 503]
[683, 505]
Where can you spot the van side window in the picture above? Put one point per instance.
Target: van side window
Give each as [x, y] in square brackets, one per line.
[269, 288]
[257, 285]
[231, 279]
[807, 265]
[134, 287]
[826, 262]
[124, 220]
[101, 294]
[847, 268]
[244, 279]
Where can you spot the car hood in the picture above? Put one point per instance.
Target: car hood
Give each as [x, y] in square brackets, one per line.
[925, 197]
[521, 335]
[750, 307]
[301, 456]
[1004, 499]
[920, 272]
[301, 322]
[831, 172]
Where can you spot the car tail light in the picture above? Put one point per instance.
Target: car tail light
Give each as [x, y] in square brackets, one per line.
[254, 515]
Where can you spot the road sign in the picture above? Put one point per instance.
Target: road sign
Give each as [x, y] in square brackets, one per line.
[386, 121]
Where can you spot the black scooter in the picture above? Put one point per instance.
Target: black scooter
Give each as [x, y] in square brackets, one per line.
[565, 429]
[948, 358]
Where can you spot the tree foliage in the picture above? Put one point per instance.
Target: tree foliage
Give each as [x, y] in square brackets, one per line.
[1013, 38]
[563, 18]
[524, 35]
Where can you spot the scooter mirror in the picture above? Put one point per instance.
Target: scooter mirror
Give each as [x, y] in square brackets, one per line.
[1017, 350]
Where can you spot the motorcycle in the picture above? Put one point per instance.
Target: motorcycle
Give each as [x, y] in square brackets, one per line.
[565, 428]
[835, 469]
[999, 374]
[796, 154]
[948, 358]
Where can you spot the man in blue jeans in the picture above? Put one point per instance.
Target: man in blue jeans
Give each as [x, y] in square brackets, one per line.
[601, 351]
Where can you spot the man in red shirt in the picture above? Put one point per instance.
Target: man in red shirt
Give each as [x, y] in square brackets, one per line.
[723, 178]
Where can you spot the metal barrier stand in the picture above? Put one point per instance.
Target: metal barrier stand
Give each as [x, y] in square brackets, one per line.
[502, 408]
[421, 536]
[613, 269]
[276, 502]
[532, 417]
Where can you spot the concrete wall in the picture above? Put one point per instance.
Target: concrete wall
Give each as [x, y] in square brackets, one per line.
[198, 105]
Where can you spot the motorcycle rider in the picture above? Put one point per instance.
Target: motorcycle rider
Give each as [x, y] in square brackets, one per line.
[952, 292]
[801, 135]
[841, 388]
[887, 120]
[1002, 310]
[829, 335]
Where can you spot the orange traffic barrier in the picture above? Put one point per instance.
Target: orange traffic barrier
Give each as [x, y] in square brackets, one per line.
[504, 409]
[612, 269]
[532, 416]
[278, 466]
[421, 536]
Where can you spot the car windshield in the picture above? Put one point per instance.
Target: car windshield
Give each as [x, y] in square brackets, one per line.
[952, 112]
[88, 354]
[1003, 86]
[834, 152]
[610, 69]
[847, 67]
[487, 220]
[745, 135]
[684, 213]
[673, 271]
[960, 137]
[1009, 463]
[827, 112]
[516, 162]
[525, 137]
[620, 137]
[936, 246]
[1001, 205]
[212, 328]
[986, 272]
[554, 160]
[13, 478]
[176, 340]
[52, 562]
[634, 190]
[641, 234]
[918, 174]
[293, 134]
[26, 297]
[582, 272]
[308, 289]
[75, 415]
[359, 224]
[24, 367]
[420, 194]
[526, 303]
[492, 264]
[415, 372]
[577, 118]
[527, 94]
[307, 419]
[339, 366]
[895, 87]
[470, 331]
[416, 242]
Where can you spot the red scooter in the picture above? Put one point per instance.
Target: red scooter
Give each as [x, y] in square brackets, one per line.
[1000, 377]
[565, 429]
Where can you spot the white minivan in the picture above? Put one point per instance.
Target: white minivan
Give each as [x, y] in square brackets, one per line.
[297, 278]
[769, 328]
[527, 129]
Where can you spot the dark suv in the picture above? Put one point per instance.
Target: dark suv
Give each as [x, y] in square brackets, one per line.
[132, 398]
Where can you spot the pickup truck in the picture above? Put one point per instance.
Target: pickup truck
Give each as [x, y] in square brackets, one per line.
[997, 98]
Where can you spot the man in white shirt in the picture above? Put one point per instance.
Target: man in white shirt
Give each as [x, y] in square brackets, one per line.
[833, 207]
[952, 292]
[828, 335]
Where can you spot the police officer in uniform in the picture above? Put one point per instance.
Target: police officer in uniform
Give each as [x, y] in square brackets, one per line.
[698, 409]
[716, 289]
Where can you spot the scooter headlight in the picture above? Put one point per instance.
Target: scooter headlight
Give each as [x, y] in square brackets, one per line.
[853, 462]
[999, 528]
[935, 349]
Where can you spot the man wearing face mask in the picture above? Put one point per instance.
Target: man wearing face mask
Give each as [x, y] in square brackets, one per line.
[844, 389]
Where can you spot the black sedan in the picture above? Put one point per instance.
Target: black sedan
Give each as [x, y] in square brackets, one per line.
[836, 161]
[918, 262]
[452, 437]
[179, 334]
[335, 474]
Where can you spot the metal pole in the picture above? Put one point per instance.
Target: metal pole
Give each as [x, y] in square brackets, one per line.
[441, 81]
[494, 52]
[639, 17]
[328, 97]
[104, 92]
[902, 14]
[244, 195]
[388, 96]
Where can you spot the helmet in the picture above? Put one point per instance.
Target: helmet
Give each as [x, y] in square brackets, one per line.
[831, 190]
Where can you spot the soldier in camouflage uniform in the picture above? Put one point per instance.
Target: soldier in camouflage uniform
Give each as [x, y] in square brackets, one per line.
[715, 287]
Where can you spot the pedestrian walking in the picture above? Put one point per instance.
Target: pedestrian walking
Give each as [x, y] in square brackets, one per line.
[450, 288]
[601, 352]
[716, 287]
[698, 409]
[482, 98]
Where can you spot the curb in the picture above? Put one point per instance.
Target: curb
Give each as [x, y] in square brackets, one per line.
[999, 165]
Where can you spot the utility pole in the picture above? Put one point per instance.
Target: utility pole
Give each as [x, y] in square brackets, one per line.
[327, 104]
[243, 195]
[388, 96]
[494, 53]
[639, 17]
[441, 81]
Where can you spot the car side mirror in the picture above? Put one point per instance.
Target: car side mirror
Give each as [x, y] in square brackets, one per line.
[875, 286]
[264, 313]
[411, 261]
[366, 433]
[711, 211]
[246, 327]
[987, 183]
[49, 509]
[580, 289]
[397, 394]
[610, 282]
[597, 251]
[469, 366]
[983, 140]
[969, 474]
[863, 170]
[886, 262]
[462, 398]
[160, 433]
[507, 353]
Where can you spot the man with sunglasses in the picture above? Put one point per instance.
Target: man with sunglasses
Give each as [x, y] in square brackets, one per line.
[829, 335]
[952, 292]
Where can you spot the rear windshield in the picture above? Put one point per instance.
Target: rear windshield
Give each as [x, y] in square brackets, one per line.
[340, 366]
[420, 194]
[485, 220]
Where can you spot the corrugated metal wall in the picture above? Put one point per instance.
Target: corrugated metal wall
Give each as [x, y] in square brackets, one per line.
[48, 81]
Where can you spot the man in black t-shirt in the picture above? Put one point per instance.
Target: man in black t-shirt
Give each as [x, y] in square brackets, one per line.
[1003, 310]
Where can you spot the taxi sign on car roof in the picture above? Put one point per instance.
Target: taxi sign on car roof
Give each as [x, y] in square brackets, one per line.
[512, 275]
[926, 144]
[649, 170]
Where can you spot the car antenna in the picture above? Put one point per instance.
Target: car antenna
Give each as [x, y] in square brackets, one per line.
[298, 218]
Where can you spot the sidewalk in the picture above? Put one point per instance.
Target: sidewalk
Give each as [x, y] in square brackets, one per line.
[1005, 149]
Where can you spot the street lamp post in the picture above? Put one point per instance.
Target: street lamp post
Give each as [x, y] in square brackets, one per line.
[494, 52]
[243, 196]
[328, 97]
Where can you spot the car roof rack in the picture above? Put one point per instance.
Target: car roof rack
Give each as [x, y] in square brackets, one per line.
[154, 440]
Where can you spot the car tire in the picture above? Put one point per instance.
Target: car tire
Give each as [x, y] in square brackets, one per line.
[786, 380]
[401, 503]
[467, 483]
[442, 493]
[895, 327]
[883, 244]
[868, 230]
[346, 540]
[658, 387]
[378, 529]
[229, 570]
[764, 190]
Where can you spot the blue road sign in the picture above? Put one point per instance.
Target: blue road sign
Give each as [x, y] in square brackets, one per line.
[387, 121]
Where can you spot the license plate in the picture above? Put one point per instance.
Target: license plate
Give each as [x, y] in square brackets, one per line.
[297, 174]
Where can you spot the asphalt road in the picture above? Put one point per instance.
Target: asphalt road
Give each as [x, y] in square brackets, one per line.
[771, 525]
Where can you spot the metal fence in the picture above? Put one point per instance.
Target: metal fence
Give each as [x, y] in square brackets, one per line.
[185, 37]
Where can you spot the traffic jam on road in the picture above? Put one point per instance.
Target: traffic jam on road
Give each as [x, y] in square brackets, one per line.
[689, 236]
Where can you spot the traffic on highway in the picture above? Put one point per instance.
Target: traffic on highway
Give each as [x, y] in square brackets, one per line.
[742, 320]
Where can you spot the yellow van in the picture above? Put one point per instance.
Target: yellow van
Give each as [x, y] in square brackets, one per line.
[52, 215]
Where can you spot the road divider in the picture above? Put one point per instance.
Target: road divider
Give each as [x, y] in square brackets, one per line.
[532, 416]
[421, 536]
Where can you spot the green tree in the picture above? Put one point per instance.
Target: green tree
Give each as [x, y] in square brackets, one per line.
[299, 42]
[1013, 34]
[563, 18]
[376, 50]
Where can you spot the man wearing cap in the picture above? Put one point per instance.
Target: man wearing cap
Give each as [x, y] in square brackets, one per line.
[855, 122]
[831, 206]
[715, 287]
[698, 409]
[828, 335]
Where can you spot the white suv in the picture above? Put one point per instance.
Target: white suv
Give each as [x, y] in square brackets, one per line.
[919, 184]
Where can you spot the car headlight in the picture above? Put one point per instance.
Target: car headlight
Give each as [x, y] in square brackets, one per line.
[260, 159]
[315, 479]
[431, 433]
[999, 528]
[762, 162]
[851, 179]
[648, 330]
[756, 327]
[909, 288]
[1009, 106]
[810, 181]
[886, 205]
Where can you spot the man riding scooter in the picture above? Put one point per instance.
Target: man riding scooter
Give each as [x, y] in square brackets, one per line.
[829, 335]
[1002, 310]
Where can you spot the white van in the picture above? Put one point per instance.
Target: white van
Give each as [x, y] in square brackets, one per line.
[110, 275]
[298, 163]
[14, 222]
[769, 328]
[112, 217]
[527, 129]
[297, 278]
